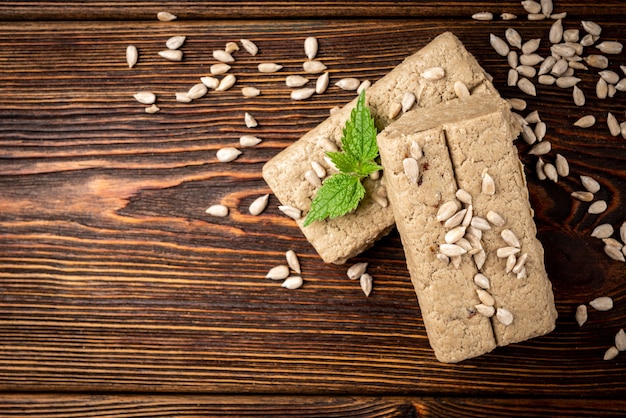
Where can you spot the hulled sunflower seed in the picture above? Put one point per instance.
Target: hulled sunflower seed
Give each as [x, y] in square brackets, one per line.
[411, 169]
[227, 82]
[546, 65]
[485, 297]
[590, 184]
[571, 35]
[302, 94]
[530, 46]
[217, 210]
[415, 150]
[610, 47]
[562, 166]
[540, 130]
[319, 169]
[132, 55]
[512, 59]
[166, 16]
[586, 121]
[394, 110]
[591, 27]
[455, 234]
[349, 84]
[171, 54]
[469, 215]
[505, 252]
[541, 175]
[464, 196]
[622, 232]
[293, 282]
[250, 121]
[621, 85]
[508, 16]
[250, 92]
[145, 97]
[231, 47]
[541, 148]
[602, 89]
[328, 145]
[249, 46]
[510, 263]
[526, 86]
[495, 218]
[526, 71]
[443, 258]
[578, 96]
[290, 211]
[365, 84]
[175, 42]
[269, 67]
[504, 316]
[446, 211]
[197, 91]
[295, 81]
[536, 16]
[152, 109]
[597, 61]
[588, 40]
[480, 223]
[517, 104]
[610, 353]
[220, 68]
[310, 47]
[279, 272]
[313, 67]
[519, 265]
[292, 261]
[247, 141]
[556, 31]
[312, 178]
[546, 7]
[366, 283]
[183, 97]
[484, 16]
[484, 310]
[258, 205]
[322, 83]
[455, 219]
[528, 135]
[210, 82]
[609, 76]
[452, 250]
[223, 56]
[482, 281]
[612, 242]
[566, 82]
[581, 315]
[614, 253]
[480, 258]
[435, 73]
[613, 124]
[512, 77]
[531, 6]
[488, 186]
[550, 172]
[408, 100]
[533, 117]
[620, 340]
[597, 207]
[227, 154]
[510, 238]
[582, 196]
[513, 37]
[602, 303]
[356, 270]
[602, 231]
[559, 67]
[501, 47]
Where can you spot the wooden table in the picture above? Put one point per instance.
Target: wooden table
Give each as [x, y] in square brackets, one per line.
[120, 296]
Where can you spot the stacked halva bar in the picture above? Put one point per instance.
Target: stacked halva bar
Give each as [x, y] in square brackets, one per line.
[470, 244]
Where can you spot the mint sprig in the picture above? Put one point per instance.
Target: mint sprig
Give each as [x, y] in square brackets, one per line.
[342, 192]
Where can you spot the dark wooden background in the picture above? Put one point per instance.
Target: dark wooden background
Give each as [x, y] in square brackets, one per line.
[120, 297]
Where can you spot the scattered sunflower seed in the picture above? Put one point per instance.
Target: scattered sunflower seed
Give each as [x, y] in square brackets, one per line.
[223, 56]
[622, 232]
[484, 16]
[302, 94]
[620, 340]
[258, 205]
[597, 61]
[279, 272]
[609, 76]
[217, 210]
[562, 166]
[590, 184]
[290, 211]
[227, 154]
[293, 282]
[602, 303]
[249, 46]
[611, 353]
[512, 77]
[536, 16]
[566, 82]
[531, 6]
[183, 97]
[295, 81]
[498, 44]
[366, 283]
[513, 37]
[145, 97]
[550, 171]
[220, 68]
[310, 47]
[152, 109]
[171, 54]
[227, 82]
[597, 207]
[322, 83]
[526, 71]
[231, 47]
[530, 46]
[166, 16]
[197, 91]
[602, 89]
[356, 270]
[582, 196]
[528, 135]
[541, 175]
[613, 124]
[508, 16]
[541, 148]
[293, 261]
[602, 231]
[581, 315]
[250, 92]
[578, 96]
[247, 141]
[610, 47]
[132, 55]
[586, 121]
[591, 28]
[526, 86]
[349, 84]
[614, 253]
[546, 7]
[313, 67]
[175, 42]
[435, 73]
[250, 121]
[504, 316]
[517, 104]
[210, 82]
[556, 31]
[540, 130]
[269, 67]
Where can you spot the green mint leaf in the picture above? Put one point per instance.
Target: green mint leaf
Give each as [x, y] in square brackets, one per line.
[339, 194]
[344, 162]
[367, 167]
[359, 134]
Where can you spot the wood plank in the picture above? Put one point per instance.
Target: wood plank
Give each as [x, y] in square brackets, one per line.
[112, 277]
[280, 9]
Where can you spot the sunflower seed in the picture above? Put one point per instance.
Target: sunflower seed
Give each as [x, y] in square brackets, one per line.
[578, 96]
[602, 231]
[322, 83]
[620, 340]
[519, 265]
[609, 76]
[210, 82]
[483, 16]
[290, 211]
[279, 272]
[455, 234]
[145, 97]
[247, 141]
[556, 32]
[447, 210]
[550, 172]
[566, 82]
[577, 65]
[217, 210]
[485, 297]
[611, 90]
[530, 46]
[504, 252]
[622, 232]
[408, 100]
[132, 55]
[482, 281]
[269, 67]
[310, 47]
[175, 42]
[313, 67]
[513, 37]
[469, 215]
[328, 145]
[614, 253]
[526, 71]
[227, 154]
[582, 196]
[296, 81]
[531, 6]
[231, 47]
[610, 47]
[166, 16]
[512, 77]
[590, 184]
[365, 84]
[536, 16]
[435, 73]
[197, 91]
[540, 130]
[499, 45]
[455, 219]
[602, 89]
[319, 169]
[349, 84]
[612, 242]
[541, 148]
[250, 92]
[480, 223]
[227, 82]
[415, 150]
[250, 121]
[411, 169]
[511, 59]
[484, 310]
[183, 97]
[480, 258]
[312, 178]
[302, 94]
[591, 28]
[528, 135]
[366, 282]
[504, 316]
[464, 196]
[394, 110]
[488, 186]
[597, 61]
[597, 207]
[292, 261]
[223, 56]
[258, 205]
[562, 166]
[152, 109]
[526, 86]
[546, 65]
[547, 7]
[443, 258]
[561, 15]
[586, 121]
[581, 315]
[611, 353]
[356, 270]
[220, 68]
[602, 303]
[379, 197]
[495, 218]
[293, 282]
[249, 46]
[508, 16]
[588, 40]
[613, 124]
[171, 55]
[510, 238]
[517, 104]
[510, 263]
[451, 250]
[541, 175]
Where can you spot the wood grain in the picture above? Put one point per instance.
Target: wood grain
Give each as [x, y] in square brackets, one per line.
[112, 277]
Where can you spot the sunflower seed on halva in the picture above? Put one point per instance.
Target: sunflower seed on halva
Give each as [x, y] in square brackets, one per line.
[258, 205]
[269, 67]
[217, 210]
[451, 250]
[510, 238]
[132, 55]
[504, 316]
[434, 73]
[411, 169]
[290, 211]
[446, 210]
[171, 54]
[312, 178]
[488, 186]
[495, 218]
[279, 272]
[293, 282]
[249, 46]
[482, 281]
[408, 100]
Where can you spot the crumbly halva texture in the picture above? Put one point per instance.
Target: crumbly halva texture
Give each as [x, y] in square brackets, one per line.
[339, 239]
[462, 140]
